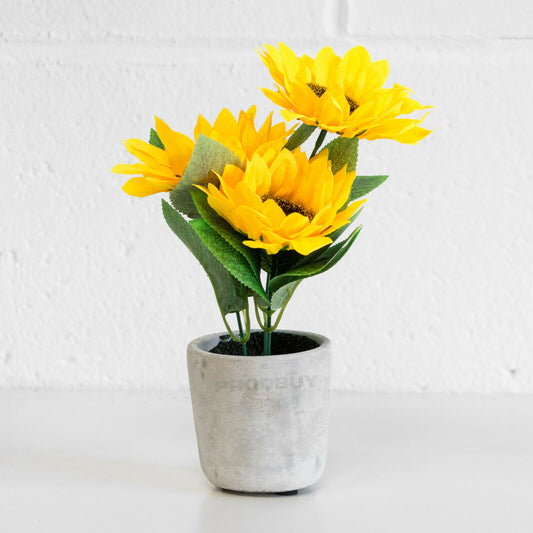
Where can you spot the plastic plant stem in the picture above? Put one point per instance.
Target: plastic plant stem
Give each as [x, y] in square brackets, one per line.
[241, 333]
[258, 318]
[242, 339]
[262, 323]
[319, 141]
[302, 133]
[267, 331]
[267, 334]
[282, 310]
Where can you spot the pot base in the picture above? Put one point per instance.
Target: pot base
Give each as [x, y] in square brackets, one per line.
[284, 493]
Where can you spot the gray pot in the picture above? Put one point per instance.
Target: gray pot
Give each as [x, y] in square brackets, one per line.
[261, 421]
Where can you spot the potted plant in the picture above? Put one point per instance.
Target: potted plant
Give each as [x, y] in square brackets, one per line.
[261, 216]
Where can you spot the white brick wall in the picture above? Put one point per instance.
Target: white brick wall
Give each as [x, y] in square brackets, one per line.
[95, 291]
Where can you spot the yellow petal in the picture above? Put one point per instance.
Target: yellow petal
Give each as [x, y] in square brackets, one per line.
[271, 249]
[371, 78]
[293, 224]
[326, 63]
[146, 152]
[307, 245]
[142, 187]
[226, 123]
[137, 168]
[202, 127]
[352, 63]
[273, 212]
[283, 172]
[178, 147]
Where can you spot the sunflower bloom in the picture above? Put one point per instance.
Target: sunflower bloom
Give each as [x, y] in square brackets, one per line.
[342, 95]
[241, 136]
[161, 169]
[289, 202]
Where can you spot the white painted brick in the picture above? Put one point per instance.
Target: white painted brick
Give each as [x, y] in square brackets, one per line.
[409, 18]
[168, 19]
[97, 292]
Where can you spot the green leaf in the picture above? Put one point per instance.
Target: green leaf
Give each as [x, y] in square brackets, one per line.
[341, 152]
[225, 230]
[231, 295]
[302, 272]
[329, 258]
[208, 158]
[155, 140]
[287, 260]
[280, 297]
[337, 233]
[265, 261]
[362, 185]
[234, 262]
[299, 136]
[343, 248]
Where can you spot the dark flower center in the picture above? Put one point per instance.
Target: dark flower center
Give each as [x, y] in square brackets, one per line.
[319, 91]
[353, 104]
[289, 207]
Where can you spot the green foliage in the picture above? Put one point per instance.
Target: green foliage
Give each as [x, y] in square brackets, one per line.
[225, 230]
[231, 295]
[283, 295]
[234, 262]
[155, 140]
[232, 267]
[265, 261]
[208, 159]
[286, 260]
[316, 264]
[343, 152]
[336, 234]
[362, 185]
[299, 136]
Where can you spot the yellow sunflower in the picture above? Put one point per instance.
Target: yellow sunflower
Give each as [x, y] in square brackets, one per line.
[289, 202]
[342, 95]
[161, 169]
[241, 136]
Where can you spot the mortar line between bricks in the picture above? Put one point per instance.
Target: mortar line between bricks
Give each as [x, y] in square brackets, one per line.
[182, 53]
[221, 46]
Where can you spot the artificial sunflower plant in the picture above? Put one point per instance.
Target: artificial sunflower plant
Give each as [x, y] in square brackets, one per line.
[257, 211]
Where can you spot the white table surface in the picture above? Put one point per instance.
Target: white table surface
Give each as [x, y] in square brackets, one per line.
[127, 462]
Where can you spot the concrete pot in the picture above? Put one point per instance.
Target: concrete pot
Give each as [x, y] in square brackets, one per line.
[261, 421]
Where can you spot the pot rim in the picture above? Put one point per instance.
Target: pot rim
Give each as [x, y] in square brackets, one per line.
[324, 343]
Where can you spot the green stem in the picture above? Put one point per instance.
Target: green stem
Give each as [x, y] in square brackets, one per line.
[229, 330]
[267, 329]
[258, 318]
[267, 334]
[241, 333]
[282, 310]
[299, 136]
[244, 336]
[319, 141]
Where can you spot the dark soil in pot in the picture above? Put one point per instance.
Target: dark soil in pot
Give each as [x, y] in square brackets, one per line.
[282, 343]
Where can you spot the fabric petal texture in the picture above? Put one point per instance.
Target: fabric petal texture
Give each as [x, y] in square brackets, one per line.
[341, 95]
[161, 169]
[290, 203]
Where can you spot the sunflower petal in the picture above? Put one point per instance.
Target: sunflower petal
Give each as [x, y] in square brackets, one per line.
[142, 187]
